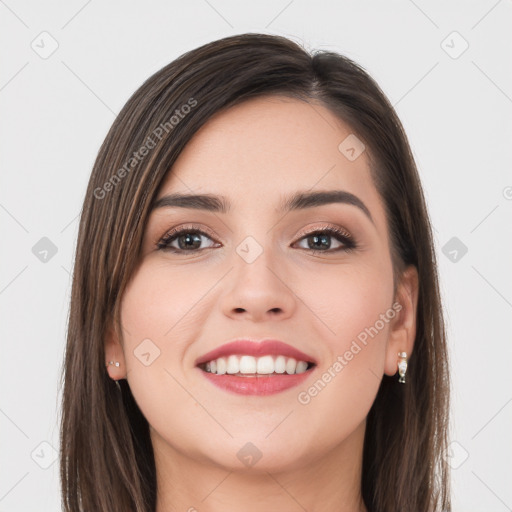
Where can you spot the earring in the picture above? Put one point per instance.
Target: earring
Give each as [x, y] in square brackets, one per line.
[402, 366]
[116, 364]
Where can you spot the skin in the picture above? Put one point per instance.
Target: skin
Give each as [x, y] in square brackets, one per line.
[188, 304]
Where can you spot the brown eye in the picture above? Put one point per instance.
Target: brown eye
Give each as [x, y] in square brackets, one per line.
[320, 240]
[184, 240]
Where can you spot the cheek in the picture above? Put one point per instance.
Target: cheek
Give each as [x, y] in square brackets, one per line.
[159, 314]
[347, 301]
[352, 308]
[158, 304]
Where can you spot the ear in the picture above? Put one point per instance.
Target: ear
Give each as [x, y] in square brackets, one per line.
[403, 326]
[114, 352]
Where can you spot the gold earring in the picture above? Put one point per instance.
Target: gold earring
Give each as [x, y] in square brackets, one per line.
[402, 366]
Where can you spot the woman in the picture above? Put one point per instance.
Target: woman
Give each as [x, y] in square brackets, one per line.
[255, 319]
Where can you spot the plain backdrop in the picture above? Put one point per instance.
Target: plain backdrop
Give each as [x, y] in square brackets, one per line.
[68, 67]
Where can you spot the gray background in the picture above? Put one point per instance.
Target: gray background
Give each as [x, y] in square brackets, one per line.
[455, 103]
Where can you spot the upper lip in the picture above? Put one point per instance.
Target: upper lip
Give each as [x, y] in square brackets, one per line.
[256, 349]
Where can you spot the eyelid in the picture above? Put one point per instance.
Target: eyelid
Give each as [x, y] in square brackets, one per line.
[192, 227]
[197, 227]
[340, 229]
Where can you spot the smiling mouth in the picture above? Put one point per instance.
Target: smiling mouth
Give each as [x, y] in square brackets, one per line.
[257, 376]
[256, 367]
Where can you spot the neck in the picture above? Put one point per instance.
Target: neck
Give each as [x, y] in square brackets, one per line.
[328, 483]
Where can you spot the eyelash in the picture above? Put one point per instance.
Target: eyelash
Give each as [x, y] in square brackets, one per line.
[342, 236]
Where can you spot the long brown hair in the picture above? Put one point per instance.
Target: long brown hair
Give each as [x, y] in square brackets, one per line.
[107, 460]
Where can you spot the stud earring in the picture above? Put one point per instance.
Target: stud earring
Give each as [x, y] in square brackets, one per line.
[114, 363]
[402, 366]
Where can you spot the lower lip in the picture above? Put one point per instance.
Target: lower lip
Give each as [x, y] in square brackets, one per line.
[261, 385]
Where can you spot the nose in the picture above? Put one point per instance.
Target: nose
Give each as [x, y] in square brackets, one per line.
[258, 290]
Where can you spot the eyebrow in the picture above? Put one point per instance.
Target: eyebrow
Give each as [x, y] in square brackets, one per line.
[298, 201]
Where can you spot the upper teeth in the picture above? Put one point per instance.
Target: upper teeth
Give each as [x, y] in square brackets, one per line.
[263, 365]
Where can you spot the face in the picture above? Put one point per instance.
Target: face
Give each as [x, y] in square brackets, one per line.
[259, 271]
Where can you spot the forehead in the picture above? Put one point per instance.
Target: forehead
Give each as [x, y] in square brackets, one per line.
[266, 148]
